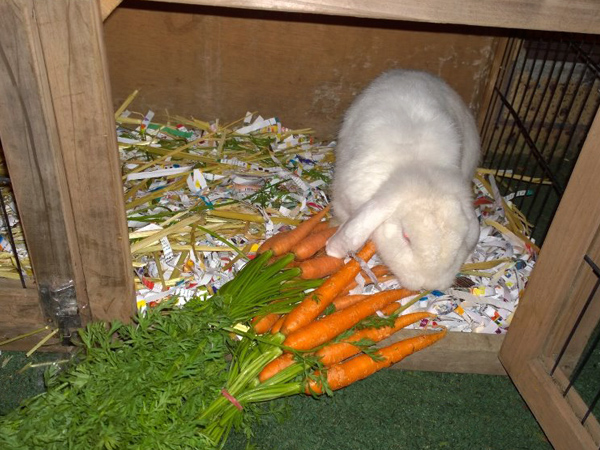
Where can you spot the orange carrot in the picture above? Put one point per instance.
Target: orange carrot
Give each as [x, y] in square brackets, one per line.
[323, 225]
[312, 243]
[343, 301]
[276, 366]
[391, 308]
[285, 243]
[316, 302]
[343, 374]
[379, 270]
[268, 244]
[277, 325]
[274, 259]
[347, 300]
[325, 329]
[320, 267]
[263, 324]
[339, 351]
[353, 283]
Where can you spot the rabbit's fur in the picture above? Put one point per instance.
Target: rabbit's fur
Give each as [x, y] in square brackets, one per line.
[406, 156]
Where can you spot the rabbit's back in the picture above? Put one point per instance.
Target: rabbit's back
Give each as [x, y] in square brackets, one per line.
[402, 118]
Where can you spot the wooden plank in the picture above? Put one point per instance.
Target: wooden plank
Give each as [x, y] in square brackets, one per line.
[31, 142]
[548, 295]
[551, 409]
[107, 7]
[582, 288]
[494, 72]
[582, 16]
[8, 283]
[569, 238]
[21, 314]
[20, 310]
[59, 138]
[577, 404]
[457, 352]
[81, 96]
[316, 65]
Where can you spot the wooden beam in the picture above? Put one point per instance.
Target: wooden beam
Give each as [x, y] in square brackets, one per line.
[22, 314]
[59, 139]
[576, 403]
[545, 308]
[571, 234]
[494, 72]
[457, 352]
[107, 7]
[582, 287]
[80, 87]
[552, 410]
[32, 150]
[27, 139]
[582, 16]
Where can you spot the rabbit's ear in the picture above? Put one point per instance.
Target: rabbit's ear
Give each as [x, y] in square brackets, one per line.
[473, 229]
[353, 234]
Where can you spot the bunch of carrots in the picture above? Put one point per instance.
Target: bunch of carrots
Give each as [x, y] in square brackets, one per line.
[329, 325]
[307, 335]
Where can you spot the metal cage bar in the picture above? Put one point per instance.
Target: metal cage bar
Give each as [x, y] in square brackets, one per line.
[591, 347]
[541, 109]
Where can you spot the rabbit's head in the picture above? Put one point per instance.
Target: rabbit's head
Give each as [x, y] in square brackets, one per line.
[422, 233]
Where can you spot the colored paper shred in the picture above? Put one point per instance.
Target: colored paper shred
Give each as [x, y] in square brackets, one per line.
[489, 286]
[8, 262]
[199, 202]
[201, 197]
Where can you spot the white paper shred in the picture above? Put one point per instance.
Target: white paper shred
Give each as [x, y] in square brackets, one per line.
[292, 187]
[292, 180]
[488, 304]
[288, 182]
[158, 173]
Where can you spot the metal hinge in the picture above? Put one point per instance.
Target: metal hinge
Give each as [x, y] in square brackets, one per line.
[59, 304]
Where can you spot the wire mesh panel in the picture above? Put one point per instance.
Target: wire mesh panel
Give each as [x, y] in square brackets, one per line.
[585, 376]
[544, 100]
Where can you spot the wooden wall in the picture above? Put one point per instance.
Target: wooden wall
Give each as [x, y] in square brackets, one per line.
[305, 69]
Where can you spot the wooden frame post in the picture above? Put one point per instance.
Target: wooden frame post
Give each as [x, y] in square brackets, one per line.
[548, 307]
[58, 134]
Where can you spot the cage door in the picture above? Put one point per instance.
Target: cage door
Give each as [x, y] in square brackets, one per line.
[551, 351]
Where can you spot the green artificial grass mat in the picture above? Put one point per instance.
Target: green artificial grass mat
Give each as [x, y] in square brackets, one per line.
[392, 409]
[17, 384]
[396, 409]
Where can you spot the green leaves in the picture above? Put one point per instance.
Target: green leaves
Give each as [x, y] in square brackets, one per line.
[377, 322]
[138, 386]
[156, 383]
[269, 194]
[261, 288]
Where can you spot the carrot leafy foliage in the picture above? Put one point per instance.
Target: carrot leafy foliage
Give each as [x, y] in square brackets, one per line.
[164, 381]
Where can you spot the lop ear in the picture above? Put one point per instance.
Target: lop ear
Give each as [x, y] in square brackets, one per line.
[353, 233]
[474, 229]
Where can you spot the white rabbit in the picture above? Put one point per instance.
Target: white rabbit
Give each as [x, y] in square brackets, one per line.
[405, 159]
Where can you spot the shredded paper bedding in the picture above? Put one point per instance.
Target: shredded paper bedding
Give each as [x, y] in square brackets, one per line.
[201, 197]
